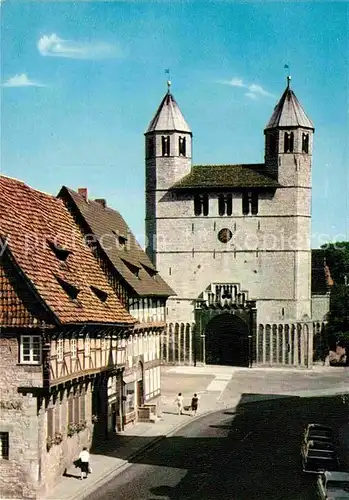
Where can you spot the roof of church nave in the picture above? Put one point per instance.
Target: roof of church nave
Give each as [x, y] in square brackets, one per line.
[289, 113]
[168, 117]
[226, 176]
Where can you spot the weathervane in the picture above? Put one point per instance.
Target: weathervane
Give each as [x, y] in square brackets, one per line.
[167, 72]
[287, 66]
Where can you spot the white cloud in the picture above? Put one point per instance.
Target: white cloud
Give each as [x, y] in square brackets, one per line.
[253, 90]
[53, 46]
[21, 80]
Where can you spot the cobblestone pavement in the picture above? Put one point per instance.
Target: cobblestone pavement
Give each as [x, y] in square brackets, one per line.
[218, 388]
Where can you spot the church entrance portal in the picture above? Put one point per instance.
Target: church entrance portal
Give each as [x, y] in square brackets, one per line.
[227, 341]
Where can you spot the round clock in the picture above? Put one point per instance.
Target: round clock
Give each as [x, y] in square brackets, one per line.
[225, 235]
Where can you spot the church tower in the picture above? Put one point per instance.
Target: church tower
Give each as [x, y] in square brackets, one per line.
[168, 158]
[288, 159]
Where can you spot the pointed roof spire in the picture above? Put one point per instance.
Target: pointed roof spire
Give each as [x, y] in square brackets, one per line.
[289, 112]
[168, 116]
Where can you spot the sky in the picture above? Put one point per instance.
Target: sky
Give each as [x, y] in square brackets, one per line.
[80, 82]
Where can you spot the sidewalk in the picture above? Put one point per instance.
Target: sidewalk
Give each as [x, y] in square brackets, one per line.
[116, 455]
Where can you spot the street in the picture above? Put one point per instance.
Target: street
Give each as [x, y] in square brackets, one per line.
[251, 452]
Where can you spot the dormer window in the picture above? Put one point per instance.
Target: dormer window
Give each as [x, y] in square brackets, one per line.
[120, 240]
[71, 290]
[305, 143]
[288, 142]
[150, 147]
[99, 293]
[165, 145]
[60, 252]
[152, 273]
[182, 146]
[134, 269]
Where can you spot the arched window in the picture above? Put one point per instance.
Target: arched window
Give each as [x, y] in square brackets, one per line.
[305, 143]
[291, 142]
[205, 204]
[197, 204]
[221, 205]
[271, 143]
[182, 146]
[254, 203]
[245, 203]
[150, 147]
[165, 144]
[229, 202]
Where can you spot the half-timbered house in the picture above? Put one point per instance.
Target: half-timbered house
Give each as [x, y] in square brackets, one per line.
[63, 344]
[141, 290]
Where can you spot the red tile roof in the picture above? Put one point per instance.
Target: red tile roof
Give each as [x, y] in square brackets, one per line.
[38, 227]
[106, 225]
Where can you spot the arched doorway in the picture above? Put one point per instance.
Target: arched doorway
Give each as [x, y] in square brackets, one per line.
[227, 341]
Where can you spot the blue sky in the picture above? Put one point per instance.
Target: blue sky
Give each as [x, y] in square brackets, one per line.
[81, 81]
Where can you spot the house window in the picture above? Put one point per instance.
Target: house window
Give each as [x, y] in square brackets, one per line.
[60, 349]
[305, 143]
[165, 145]
[182, 146]
[4, 445]
[205, 204]
[288, 142]
[73, 348]
[30, 351]
[197, 204]
[150, 149]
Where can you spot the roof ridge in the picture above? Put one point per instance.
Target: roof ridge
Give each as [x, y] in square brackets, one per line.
[19, 181]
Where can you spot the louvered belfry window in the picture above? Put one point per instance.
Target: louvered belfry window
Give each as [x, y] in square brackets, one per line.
[182, 146]
[165, 145]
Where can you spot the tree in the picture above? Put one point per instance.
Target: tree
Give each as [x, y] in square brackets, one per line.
[337, 259]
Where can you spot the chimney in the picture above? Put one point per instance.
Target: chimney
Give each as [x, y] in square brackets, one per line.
[102, 202]
[83, 192]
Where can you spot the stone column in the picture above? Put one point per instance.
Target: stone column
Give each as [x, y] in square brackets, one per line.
[283, 345]
[191, 344]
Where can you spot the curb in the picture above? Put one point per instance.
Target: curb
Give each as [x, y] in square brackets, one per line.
[115, 471]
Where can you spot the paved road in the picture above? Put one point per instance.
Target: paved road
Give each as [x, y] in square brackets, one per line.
[249, 453]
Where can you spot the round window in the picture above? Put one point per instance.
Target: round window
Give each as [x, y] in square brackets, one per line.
[225, 235]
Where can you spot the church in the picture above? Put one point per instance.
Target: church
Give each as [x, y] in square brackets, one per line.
[234, 243]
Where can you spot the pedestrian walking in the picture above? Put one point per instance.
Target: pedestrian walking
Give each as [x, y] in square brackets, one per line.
[84, 459]
[194, 404]
[179, 403]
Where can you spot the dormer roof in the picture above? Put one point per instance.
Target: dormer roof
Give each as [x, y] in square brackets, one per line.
[289, 113]
[168, 117]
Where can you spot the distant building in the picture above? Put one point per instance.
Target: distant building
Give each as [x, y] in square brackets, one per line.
[63, 345]
[234, 242]
[140, 288]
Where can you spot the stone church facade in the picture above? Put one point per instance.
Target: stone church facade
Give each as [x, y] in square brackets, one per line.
[234, 243]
